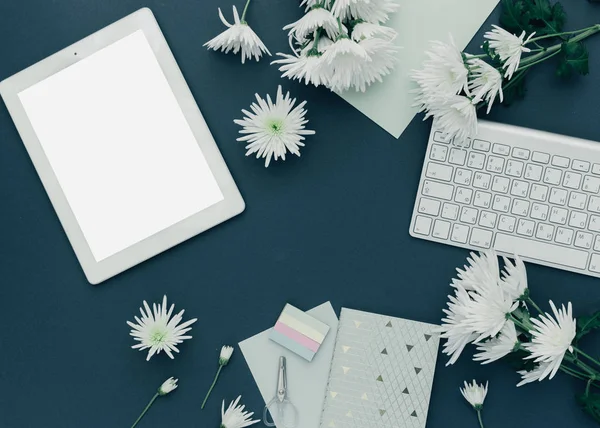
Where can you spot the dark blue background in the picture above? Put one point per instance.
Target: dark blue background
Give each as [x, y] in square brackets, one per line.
[331, 225]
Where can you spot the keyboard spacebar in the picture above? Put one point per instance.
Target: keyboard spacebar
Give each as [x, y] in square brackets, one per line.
[541, 251]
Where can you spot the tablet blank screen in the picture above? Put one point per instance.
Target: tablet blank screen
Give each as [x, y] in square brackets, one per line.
[120, 146]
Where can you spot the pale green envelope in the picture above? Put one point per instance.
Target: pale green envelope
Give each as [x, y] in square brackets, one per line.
[389, 104]
[307, 381]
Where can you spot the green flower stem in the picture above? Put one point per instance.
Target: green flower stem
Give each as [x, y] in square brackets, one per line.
[212, 386]
[532, 303]
[572, 372]
[584, 34]
[592, 359]
[243, 19]
[539, 60]
[566, 33]
[479, 418]
[145, 410]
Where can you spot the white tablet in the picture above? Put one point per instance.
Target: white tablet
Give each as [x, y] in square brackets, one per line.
[121, 147]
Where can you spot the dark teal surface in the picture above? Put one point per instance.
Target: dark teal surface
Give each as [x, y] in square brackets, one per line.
[331, 225]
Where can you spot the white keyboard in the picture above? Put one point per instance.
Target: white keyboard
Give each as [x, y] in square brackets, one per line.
[517, 190]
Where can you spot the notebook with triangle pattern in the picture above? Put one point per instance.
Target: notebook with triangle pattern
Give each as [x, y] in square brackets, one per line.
[381, 373]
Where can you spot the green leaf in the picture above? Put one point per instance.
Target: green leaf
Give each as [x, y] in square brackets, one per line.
[518, 362]
[574, 59]
[587, 324]
[590, 403]
[539, 16]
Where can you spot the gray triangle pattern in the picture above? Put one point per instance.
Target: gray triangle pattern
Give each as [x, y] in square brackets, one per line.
[385, 379]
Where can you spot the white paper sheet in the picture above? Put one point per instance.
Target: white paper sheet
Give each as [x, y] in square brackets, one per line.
[417, 22]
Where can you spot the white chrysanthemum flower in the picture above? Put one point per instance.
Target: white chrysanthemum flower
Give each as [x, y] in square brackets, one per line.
[383, 60]
[538, 374]
[345, 60]
[235, 416]
[443, 75]
[238, 37]
[509, 48]
[455, 116]
[485, 82]
[453, 327]
[475, 394]
[376, 11]
[307, 66]
[514, 278]
[318, 17]
[482, 269]
[488, 311]
[225, 355]
[168, 385]
[368, 30]
[552, 338]
[498, 347]
[157, 331]
[309, 4]
[273, 129]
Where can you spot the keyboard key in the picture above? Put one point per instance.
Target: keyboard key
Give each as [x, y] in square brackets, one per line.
[541, 251]
[597, 244]
[533, 172]
[481, 145]
[540, 157]
[441, 229]
[520, 207]
[468, 215]
[558, 215]
[553, 176]
[519, 188]
[500, 184]
[429, 206]
[564, 236]
[460, 233]
[583, 240]
[441, 137]
[488, 219]
[439, 171]
[594, 204]
[594, 225]
[545, 232]
[520, 153]
[481, 238]
[465, 144]
[572, 180]
[482, 180]
[501, 149]
[507, 223]
[578, 219]
[577, 200]
[437, 190]
[595, 263]
[463, 176]
[482, 199]
[561, 161]
[558, 196]
[422, 225]
[581, 166]
[596, 169]
[457, 156]
[438, 152]
[514, 168]
[501, 203]
[476, 160]
[525, 227]
[463, 195]
[539, 192]
[539, 211]
[495, 164]
[591, 184]
[450, 211]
